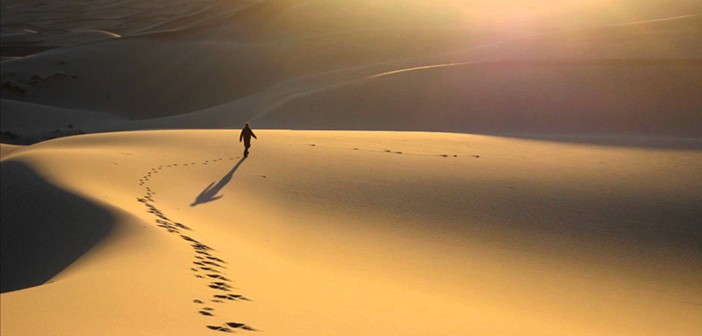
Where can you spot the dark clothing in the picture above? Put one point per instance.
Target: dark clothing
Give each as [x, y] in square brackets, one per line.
[246, 134]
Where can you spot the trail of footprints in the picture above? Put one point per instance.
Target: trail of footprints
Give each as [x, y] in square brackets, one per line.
[205, 265]
[400, 152]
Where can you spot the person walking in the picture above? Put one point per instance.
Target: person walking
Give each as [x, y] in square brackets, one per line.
[246, 134]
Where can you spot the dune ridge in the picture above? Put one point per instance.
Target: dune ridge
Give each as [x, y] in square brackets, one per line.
[285, 66]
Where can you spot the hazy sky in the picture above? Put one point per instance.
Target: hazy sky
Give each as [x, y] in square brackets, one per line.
[539, 14]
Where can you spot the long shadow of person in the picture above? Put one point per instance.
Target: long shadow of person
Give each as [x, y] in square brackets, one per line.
[210, 193]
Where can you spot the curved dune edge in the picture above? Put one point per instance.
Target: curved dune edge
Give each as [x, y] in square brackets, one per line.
[7, 149]
[40, 233]
[351, 233]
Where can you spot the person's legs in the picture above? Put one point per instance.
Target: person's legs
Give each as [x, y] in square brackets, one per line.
[247, 144]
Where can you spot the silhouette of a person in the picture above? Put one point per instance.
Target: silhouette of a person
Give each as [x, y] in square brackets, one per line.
[246, 134]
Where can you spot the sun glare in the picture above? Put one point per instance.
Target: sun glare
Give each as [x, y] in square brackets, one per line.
[536, 15]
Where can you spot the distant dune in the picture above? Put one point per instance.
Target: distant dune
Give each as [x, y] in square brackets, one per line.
[421, 167]
[538, 97]
[294, 64]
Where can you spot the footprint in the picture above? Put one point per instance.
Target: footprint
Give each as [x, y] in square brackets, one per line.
[219, 328]
[240, 325]
[224, 289]
[206, 313]
[213, 264]
[217, 276]
[180, 225]
[187, 238]
[216, 259]
[220, 286]
[200, 246]
[198, 301]
[231, 297]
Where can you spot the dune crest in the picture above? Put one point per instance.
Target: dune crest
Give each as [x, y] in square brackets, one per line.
[287, 65]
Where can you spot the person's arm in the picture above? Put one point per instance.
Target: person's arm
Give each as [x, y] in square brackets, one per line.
[253, 135]
[241, 135]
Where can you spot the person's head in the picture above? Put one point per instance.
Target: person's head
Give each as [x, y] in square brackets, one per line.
[246, 124]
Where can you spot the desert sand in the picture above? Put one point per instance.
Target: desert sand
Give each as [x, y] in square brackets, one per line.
[421, 168]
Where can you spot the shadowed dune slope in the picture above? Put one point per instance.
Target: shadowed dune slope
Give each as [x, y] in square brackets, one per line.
[44, 228]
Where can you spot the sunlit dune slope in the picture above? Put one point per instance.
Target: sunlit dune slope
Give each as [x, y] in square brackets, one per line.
[350, 233]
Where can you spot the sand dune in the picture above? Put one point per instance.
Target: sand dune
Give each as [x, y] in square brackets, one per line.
[579, 97]
[350, 233]
[127, 208]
